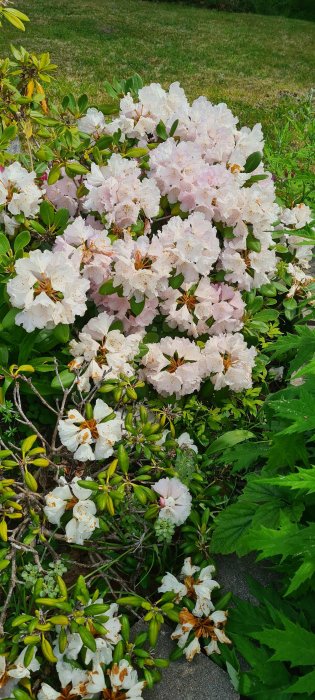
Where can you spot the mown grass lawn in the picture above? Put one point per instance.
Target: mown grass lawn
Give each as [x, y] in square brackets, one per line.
[249, 61]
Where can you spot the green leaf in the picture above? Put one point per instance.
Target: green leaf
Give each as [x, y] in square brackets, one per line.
[174, 127]
[233, 437]
[62, 333]
[136, 306]
[107, 288]
[54, 175]
[87, 638]
[293, 644]
[76, 168]
[288, 540]
[4, 244]
[161, 131]
[302, 574]
[136, 152]
[305, 684]
[47, 212]
[8, 320]
[252, 162]
[255, 178]
[303, 480]
[232, 525]
[253, 243]
[63, 380]
[21, 241]
[176, 281]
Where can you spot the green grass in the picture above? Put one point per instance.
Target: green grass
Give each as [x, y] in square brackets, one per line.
[252, 62]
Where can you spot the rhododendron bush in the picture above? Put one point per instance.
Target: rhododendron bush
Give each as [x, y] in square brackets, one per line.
[146, 267]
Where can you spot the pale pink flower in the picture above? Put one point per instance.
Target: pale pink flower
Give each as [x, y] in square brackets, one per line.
[229, 361]
[175, 500]
[141, 266]
[116, 190]
[173, 366]
[63, 193]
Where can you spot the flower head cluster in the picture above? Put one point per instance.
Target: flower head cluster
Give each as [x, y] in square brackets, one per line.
[192, 629]
[119, 682]
[173, 366]
[12, 673]
[81, 434]
[203, 622]
[194, 583]
[106, 352]
[117, 190]
[19, 194]
[168, 233]
[175, 500]
[48, 289]
[77, 499]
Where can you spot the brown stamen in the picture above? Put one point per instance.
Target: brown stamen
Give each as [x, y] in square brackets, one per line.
[71, 503]
[91, 425]
[142, 262]
[44, 285]
[188, 300]
[235, 168]
[227, 361]
[175, 362]
[113, 694]
[66, 693]
[4, 679]
[190, 583]
[101, 355]
[203, 627]
[246, 258]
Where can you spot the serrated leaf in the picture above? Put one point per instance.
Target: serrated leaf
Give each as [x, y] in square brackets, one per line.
[305, 684]
[304, 480]
[302, 574]
[293, 644]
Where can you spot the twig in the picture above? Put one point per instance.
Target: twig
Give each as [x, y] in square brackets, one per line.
[10, 593]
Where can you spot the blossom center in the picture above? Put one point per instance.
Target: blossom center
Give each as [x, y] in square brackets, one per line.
[174, 363]
[101, 354]
[4, 679]
[113, 694]
[90, 425]
[10, 190]
[188, 300]
[45, 285]
[202, 627]
[142, 262]
[66, 693]
[235, 168]
[246, 258]
[227, 361]
[190, 583]
[71, 503]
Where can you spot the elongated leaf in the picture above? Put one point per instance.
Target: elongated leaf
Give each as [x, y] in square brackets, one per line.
[229, 439]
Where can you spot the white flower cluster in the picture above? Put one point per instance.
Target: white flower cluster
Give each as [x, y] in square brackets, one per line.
[101, 431]
[77, 499]
[48, 289]
[19, 194]
[119, 680]
[203, 622]
[171, 231]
